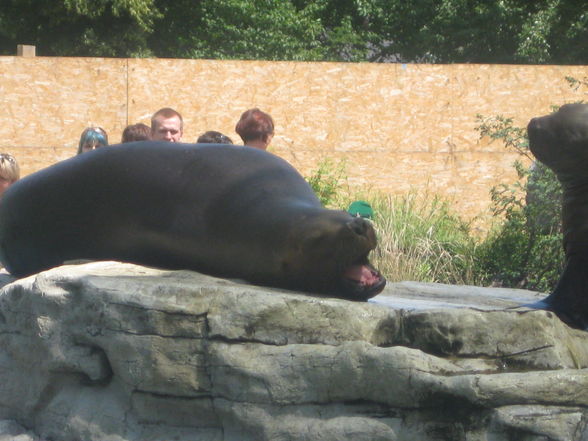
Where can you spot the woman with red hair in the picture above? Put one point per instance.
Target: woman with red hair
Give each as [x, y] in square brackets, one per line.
[256, 128]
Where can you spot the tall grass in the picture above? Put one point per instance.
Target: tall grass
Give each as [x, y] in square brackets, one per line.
[421, 239]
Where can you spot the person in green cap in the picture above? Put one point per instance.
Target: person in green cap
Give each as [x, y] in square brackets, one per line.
[361, 209]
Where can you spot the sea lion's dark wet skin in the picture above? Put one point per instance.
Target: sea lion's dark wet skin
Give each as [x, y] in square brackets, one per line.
[224, 210]
[560, 141]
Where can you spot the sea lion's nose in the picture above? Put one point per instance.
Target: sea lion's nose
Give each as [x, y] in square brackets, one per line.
[534, 124]
[359, 226]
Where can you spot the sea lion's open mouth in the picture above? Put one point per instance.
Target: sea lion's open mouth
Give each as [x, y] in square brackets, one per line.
[362, 280]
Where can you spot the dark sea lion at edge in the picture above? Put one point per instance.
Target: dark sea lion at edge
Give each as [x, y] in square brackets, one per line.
[560, 141]
[228, 211]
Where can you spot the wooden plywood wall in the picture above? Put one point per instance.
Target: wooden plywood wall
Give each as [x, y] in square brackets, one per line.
[397, 126]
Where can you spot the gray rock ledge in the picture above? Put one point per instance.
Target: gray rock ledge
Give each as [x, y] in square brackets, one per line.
[108, 351]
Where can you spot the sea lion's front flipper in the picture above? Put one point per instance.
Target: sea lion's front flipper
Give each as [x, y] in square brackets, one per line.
[569, 300]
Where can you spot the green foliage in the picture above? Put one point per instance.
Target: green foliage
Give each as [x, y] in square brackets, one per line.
[577, 83]
[78, 27]
[499, 127]
[493, 31]
[142, 11]
[327, 182]
[525, 249]
[270, 30]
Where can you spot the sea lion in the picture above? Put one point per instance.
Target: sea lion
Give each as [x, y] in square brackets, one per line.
[228, 211]
[560, 141]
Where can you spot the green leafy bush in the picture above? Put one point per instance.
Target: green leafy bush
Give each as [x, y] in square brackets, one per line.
[524, 249]
[327, 182]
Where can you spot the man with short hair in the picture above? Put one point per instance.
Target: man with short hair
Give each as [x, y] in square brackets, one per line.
[167, 125]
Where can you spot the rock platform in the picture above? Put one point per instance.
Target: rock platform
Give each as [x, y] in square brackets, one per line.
[108, 351]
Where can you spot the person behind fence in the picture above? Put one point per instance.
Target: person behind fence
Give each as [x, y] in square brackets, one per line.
[136, 132]
[167, 125]
[92, 138]
[213, 137]
[256, 128]
[9, 171]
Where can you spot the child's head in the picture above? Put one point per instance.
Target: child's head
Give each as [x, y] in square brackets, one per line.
[136, 132]
[92, 138]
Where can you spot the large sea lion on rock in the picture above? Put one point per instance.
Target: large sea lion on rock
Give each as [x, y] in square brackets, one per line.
[224, 210]
[560, 141]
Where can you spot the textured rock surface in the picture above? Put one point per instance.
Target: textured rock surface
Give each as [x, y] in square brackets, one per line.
[109, 351]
